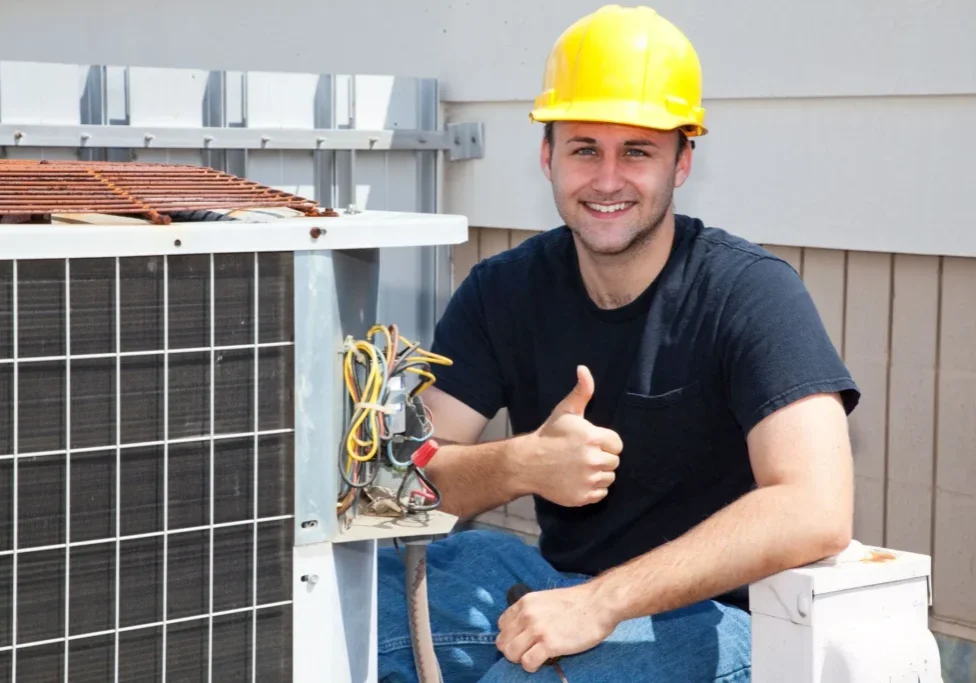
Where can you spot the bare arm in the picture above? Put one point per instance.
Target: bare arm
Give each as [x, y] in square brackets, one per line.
[472, 477]
[801, 512]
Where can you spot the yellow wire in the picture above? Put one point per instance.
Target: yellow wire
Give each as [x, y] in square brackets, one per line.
[423, 373]
[371, 394]
[373, 387]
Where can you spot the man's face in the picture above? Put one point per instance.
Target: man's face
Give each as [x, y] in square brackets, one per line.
[613, 185]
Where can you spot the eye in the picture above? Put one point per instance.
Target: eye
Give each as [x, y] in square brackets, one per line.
[585, 151]
[637, 152]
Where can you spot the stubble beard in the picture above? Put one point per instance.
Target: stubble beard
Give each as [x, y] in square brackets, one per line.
[640, 235]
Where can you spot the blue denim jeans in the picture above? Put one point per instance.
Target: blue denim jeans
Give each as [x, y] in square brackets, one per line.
[468, 573]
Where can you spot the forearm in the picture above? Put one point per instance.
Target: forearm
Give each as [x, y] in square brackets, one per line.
[475, 478]
[766, 531]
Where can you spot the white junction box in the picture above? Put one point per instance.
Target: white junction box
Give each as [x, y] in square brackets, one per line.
[857, 617]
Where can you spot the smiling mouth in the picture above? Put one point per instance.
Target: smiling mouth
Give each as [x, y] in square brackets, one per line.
[608, 210]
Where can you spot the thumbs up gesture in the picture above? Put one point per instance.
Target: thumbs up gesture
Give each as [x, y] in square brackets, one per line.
[568, 460]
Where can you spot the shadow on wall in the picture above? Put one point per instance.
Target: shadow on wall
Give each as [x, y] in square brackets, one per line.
[958, 659]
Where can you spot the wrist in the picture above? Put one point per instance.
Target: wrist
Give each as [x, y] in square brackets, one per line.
[517, 455]
[616, 600]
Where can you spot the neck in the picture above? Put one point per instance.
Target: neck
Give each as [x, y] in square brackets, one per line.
[614, 280]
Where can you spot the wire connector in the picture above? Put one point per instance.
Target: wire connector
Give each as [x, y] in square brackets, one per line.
[425, 453]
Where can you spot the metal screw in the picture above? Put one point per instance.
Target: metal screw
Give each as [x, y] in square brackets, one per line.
[315, 233]
[178, 243]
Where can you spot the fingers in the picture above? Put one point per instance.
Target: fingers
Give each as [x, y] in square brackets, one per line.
[577, 399]
[513, 640]
[519, 642]
[603, 461]
[596, 495]
[535, 657]
[515, 648]
[596, 487]
[602, 479]
[507, 618]
[608, 440]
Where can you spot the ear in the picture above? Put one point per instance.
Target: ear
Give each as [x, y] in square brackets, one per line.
[545, 158]
[683, 166]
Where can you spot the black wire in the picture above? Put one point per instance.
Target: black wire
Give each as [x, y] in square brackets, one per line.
[401, 357]
[414, 507]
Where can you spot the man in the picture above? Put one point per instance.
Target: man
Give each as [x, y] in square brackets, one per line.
[681, 414]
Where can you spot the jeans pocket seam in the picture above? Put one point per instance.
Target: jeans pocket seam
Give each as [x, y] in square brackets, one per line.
[403, 643]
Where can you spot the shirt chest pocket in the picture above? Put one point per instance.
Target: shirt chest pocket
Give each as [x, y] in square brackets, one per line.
[667, 436]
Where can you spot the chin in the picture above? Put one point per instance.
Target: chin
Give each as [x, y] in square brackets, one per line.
[604, 246]
[604, 240]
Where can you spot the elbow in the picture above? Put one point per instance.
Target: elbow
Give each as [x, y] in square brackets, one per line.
[832, 531]
[825, 526]
[829, 518]
[835, 538]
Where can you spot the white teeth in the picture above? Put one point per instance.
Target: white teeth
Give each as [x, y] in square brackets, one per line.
[608, 208]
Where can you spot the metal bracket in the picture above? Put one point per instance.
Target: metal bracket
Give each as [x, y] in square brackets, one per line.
[466, 140]
[162, 137]
[460, 140]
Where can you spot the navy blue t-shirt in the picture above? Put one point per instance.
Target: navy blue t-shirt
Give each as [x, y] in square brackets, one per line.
[726, 335]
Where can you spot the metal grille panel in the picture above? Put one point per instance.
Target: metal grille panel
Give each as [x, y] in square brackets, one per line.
[30, 187]
[146, 468]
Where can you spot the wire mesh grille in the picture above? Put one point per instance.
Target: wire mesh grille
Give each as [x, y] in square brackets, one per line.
[146, 468]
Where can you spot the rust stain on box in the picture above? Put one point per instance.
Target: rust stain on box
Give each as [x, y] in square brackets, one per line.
[879, 556]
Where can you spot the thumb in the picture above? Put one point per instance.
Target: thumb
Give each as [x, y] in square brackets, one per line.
[575, 402]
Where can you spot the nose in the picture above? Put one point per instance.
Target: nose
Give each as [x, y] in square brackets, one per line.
[608, 178]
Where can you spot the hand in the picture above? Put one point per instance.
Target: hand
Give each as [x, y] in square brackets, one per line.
[553, 623]
[568, 460]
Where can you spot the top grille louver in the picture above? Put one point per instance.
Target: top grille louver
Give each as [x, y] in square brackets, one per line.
[38, 188]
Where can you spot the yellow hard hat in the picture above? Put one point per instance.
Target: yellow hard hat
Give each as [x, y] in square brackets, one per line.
[624, 65]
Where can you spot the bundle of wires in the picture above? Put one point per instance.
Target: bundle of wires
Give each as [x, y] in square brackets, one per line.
[368, 370]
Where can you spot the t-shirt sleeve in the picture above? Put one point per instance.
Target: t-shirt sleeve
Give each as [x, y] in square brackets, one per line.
[775, 349]
[462, 334]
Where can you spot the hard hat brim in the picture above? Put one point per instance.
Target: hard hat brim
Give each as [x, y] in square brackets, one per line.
[622, 114]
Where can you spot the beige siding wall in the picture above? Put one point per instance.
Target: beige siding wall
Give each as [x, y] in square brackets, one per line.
[906, 327]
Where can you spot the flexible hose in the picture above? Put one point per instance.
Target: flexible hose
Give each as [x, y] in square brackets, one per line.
[418, 614]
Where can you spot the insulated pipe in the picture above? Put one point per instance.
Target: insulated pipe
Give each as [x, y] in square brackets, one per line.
[418, 614]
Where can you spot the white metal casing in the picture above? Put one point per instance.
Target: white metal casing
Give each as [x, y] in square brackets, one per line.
[859, 617]
[107, 236]
[333, 586]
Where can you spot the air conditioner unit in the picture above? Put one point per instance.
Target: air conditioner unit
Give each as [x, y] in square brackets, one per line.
[172, 403]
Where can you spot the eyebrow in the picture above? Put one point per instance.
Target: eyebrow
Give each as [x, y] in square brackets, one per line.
[636, 142]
